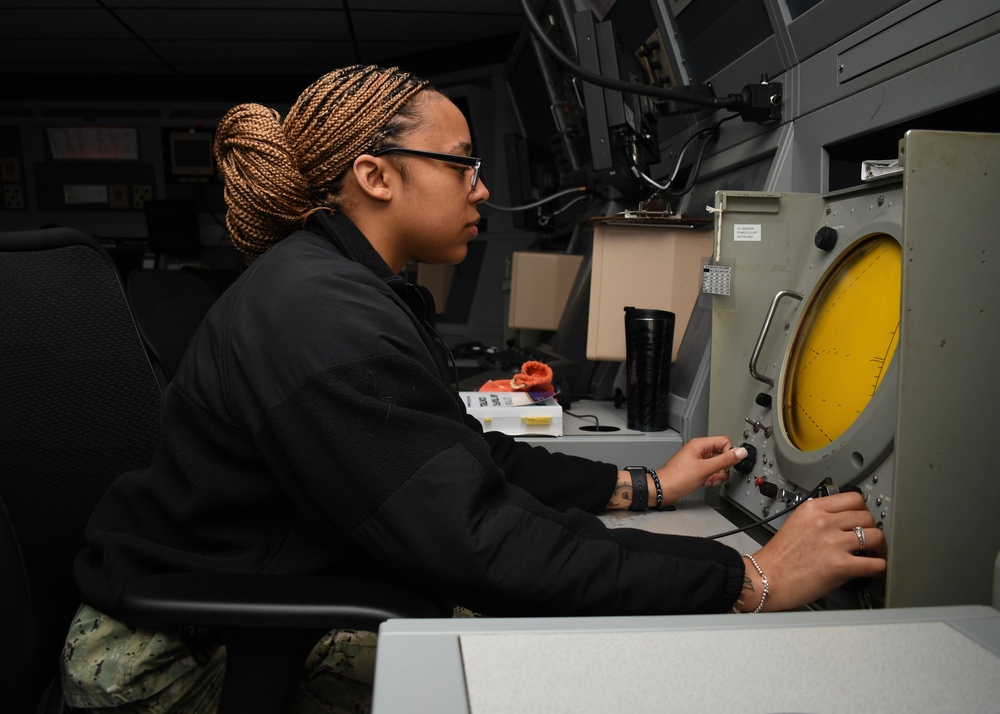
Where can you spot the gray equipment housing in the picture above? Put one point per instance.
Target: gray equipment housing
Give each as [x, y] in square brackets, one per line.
[920, 451]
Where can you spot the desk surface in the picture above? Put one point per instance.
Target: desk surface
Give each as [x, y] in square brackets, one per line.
[899, 660]
[626, 447]
[622, 446]
[693, 517]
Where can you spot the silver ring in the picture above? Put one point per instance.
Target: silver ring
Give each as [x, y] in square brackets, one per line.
[860, 533]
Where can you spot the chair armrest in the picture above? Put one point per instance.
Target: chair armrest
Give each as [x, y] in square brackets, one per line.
[268, 623]
[271, 601]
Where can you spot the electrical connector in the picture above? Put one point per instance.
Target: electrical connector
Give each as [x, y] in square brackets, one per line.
[760, 103]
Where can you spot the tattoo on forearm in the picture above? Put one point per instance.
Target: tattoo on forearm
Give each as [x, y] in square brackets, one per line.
[741, 601]
[620, 496]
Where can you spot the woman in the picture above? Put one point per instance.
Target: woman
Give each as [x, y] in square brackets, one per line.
[312, 426]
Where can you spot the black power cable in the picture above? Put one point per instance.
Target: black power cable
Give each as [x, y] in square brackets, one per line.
[812, 494]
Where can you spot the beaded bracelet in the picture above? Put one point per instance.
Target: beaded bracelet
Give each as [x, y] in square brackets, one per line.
[763, 579]
[656, 482]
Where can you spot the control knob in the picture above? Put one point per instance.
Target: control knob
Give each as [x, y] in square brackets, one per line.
[746, 465]
[826, 238]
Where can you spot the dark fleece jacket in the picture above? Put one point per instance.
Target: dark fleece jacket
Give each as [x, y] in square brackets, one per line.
[312, 428]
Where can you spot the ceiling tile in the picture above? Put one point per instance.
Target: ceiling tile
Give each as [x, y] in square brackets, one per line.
[250, 57]
[37, 4]
[452, 28]
[62, 24]
[465, 7]
[173, 41]
[226, 4]
[202, 24]
[24, 54]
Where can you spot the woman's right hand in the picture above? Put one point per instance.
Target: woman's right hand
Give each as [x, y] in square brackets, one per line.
[814, 552]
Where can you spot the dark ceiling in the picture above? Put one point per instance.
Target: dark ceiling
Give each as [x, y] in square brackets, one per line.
[197, 50]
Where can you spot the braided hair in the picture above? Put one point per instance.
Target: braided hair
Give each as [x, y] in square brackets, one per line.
[277, 173]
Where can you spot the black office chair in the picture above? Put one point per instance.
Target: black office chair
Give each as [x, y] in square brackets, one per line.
[78, 405]
[168, 306]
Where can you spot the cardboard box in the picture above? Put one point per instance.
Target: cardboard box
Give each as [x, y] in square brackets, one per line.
[540, 285]
[647, 267]
[514, 413]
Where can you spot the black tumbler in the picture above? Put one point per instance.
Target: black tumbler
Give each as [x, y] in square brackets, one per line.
[649, 346]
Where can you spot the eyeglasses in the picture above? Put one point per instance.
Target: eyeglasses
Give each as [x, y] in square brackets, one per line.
[473, 162]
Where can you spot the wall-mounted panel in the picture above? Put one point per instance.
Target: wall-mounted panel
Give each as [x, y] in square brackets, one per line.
[816, 24]
[910, 37]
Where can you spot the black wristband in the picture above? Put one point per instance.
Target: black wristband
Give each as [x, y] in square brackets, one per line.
[640, 501]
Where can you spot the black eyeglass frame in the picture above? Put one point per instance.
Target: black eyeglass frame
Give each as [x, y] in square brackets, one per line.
[473, 162]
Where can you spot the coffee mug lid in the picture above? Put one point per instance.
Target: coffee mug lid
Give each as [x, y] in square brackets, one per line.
[633, 313]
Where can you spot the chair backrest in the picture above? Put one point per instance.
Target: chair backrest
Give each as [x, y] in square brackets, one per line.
[79, 405]
[168, 306]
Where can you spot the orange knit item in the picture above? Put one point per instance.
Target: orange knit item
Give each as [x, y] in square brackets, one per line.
[533, 377]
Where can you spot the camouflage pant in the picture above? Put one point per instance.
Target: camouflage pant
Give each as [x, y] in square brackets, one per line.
[112, 668]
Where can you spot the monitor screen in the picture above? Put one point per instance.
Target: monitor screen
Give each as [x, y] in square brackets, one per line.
[190, 154]
[101, 143]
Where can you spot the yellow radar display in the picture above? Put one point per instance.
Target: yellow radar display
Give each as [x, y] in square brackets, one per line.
[844, 344]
